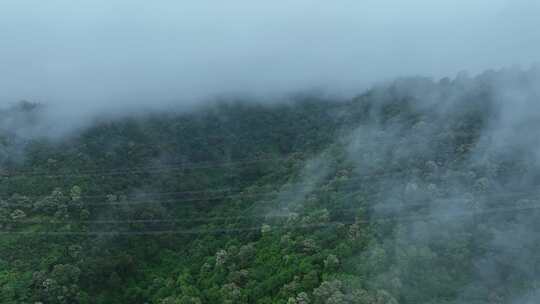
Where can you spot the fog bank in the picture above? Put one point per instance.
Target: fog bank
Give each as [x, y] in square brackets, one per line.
[88, 55]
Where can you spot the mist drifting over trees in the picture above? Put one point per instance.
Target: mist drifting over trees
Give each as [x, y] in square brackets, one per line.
[111, 55]
[305, 152]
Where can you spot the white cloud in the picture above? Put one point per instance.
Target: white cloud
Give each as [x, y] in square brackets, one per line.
[139, 52]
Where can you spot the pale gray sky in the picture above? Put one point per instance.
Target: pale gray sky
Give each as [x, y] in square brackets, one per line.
[120, 52]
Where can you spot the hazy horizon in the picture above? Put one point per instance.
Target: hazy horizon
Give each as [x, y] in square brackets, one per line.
[104, 55]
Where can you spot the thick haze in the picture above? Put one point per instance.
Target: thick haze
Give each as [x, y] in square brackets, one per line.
[117, 53]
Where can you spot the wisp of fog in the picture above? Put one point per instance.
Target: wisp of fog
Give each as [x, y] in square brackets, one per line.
[107, 55]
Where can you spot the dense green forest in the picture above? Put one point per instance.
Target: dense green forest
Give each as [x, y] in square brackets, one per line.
[416, 191]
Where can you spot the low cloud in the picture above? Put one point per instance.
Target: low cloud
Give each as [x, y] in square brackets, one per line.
[94, 55]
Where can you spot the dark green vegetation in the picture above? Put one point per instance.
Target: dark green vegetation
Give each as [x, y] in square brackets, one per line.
[414, 192]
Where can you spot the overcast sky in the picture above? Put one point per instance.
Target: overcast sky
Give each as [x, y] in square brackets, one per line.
[120, 52]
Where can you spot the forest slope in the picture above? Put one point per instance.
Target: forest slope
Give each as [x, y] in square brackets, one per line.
[414, 192]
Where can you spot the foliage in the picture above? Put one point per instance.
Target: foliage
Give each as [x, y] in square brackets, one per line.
[250, 203]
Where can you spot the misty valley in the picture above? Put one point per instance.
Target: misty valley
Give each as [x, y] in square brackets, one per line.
[415, 191]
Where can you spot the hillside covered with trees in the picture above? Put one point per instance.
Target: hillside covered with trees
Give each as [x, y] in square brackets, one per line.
[416, 191]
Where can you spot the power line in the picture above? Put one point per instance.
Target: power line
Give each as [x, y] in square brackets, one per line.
[210, 219]
[187, 231]
[166, 167]
[238, 190]
[199, 219]
[178, 200]
[143, 169]
[337, 223]
[272, 193]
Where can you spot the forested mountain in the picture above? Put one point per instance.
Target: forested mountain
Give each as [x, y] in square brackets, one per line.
[416, 191]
